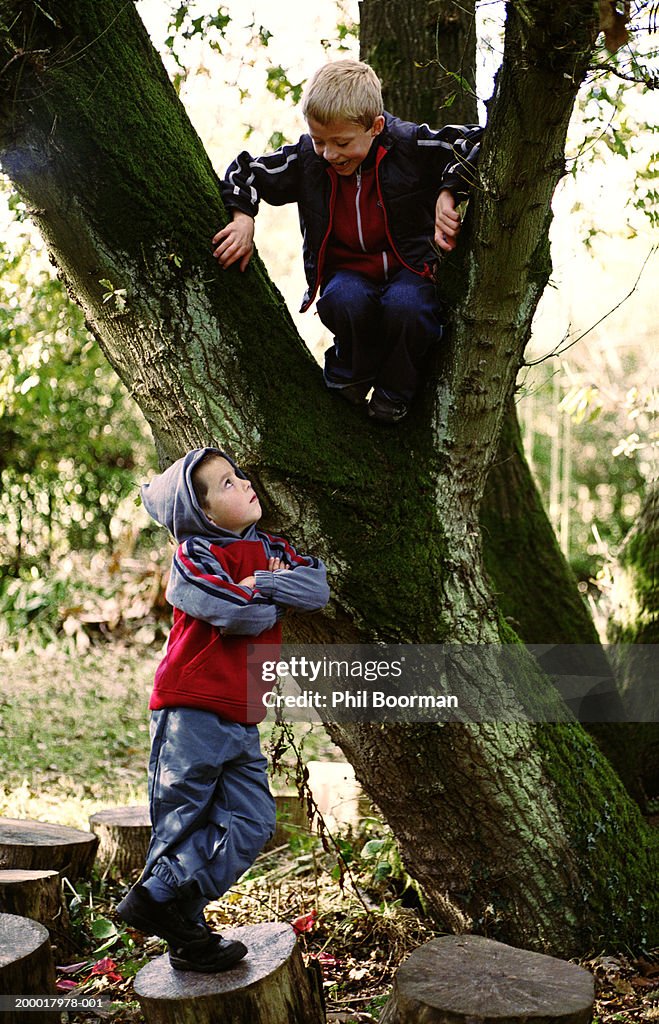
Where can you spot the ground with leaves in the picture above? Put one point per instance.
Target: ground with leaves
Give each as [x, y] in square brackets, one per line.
[74, 739]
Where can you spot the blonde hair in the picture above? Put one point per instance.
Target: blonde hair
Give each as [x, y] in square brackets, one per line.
[343, 90]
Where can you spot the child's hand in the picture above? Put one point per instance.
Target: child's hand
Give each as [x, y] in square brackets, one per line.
[235, 241]
[249, 581]
[276, 564]
[447, 222]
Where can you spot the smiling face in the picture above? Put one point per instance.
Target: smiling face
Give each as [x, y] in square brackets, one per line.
[229, 501]
[343, 144]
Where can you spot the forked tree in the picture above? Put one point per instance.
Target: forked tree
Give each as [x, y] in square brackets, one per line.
[521, 830]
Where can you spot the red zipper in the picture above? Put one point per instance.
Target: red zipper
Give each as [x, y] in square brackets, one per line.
[426, 269]
[323, 244]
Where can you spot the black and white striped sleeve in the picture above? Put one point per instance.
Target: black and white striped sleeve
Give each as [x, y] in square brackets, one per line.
[273, 178]
[454, 150]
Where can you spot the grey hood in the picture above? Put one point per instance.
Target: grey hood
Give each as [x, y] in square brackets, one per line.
[170, 499]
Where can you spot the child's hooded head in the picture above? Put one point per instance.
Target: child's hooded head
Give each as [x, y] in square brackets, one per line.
[203, 494]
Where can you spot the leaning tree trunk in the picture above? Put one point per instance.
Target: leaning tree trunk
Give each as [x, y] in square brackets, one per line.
[95, 139]
[633, 629]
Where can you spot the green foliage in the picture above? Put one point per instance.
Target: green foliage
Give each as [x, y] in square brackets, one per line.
[280, 85]
[605, 463]
[33, 607]
[186, 21]
[71, 439]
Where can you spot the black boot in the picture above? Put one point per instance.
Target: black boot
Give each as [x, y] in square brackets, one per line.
[139, 909]
[209, 957]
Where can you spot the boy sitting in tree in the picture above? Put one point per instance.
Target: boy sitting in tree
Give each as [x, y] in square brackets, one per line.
[375, 196]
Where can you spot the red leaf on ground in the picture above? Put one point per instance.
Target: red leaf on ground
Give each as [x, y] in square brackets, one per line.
[326, 958]
[65, 985]
[107, 968]
[304, 923]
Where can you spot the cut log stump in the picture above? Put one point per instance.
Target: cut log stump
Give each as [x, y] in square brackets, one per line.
[37, 895]
[124, 834]
[26, 967]
[465, 978]
[38, 846]
[339, 796]
[270, 986]
[291, 819]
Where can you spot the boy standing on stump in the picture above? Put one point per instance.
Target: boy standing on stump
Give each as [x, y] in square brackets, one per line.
[376, 195]
[211, 808]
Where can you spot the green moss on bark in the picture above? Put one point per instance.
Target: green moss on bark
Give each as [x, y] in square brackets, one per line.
[613, 888]
[535, 588]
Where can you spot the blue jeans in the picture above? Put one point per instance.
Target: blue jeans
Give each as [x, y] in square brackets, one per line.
[381, 331]
[211, 807]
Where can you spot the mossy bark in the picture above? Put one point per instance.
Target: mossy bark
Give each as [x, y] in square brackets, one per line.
[633, 630]
[95, 139]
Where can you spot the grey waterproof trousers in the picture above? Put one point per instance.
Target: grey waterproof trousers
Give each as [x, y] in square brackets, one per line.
[211, 807]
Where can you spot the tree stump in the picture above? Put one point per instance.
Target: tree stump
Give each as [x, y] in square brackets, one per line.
[37, 846]
[337, 793]
[291, 819]
[37, 895]
[26, 967]
[270, 986]
[466, 978]
[124, 834]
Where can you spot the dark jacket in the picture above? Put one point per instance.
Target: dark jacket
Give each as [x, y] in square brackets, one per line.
[413, 164]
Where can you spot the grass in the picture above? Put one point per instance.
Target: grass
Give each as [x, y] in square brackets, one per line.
[73, 732]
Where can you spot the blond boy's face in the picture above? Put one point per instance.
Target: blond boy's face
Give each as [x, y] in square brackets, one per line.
[231, 502]
[343, 144]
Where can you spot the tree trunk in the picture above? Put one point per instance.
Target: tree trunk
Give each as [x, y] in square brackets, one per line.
[425, 54]
[123, 834]
[468, 979]
[37, 895]
[412, 46]
[633, 629]
[37, 845]
[489, 818]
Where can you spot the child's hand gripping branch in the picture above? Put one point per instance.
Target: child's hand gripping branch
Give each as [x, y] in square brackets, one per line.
[447, 221]
[235, 242]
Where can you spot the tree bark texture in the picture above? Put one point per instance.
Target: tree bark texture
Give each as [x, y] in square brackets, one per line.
[37, 845]
[37, 895]
[469, 978]
[543, 606]
[634, 621]
[123, 834]
[212, 356]
[424, 52]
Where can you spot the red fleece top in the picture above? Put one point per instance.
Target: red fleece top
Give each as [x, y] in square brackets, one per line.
[358, 240]
[204, 668]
